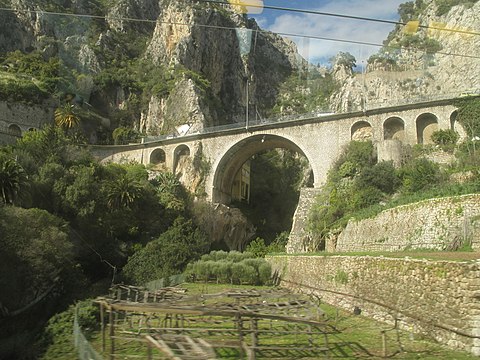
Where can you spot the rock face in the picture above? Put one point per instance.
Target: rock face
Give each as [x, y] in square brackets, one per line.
[417, 75]
[229, 54]
[225, 226]
[213, 58]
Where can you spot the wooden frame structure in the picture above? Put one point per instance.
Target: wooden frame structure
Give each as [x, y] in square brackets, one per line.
[169, 324]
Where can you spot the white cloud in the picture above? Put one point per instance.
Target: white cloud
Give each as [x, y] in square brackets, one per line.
[339, 28]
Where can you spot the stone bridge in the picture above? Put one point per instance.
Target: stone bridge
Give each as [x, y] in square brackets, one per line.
[320, 139]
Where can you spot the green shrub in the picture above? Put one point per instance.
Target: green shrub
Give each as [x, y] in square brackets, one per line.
[224, 274]
[265, 273]
[257, 247]
[243, 274]
[445, 137]
[237, 256]
[365, 197]
[237, 268]
[419, 174]
[382, 176]
[123, 135]
[167, 255]
[278, 245]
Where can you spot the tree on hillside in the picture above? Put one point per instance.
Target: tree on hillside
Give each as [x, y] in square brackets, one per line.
[67, 117]
[122, 192]
[345, 59]
[167, 255]
[12, 179]
[35, 244]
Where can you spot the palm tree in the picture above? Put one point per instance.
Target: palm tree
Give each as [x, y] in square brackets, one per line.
[122, 192]
[12, 178]
[66, 117]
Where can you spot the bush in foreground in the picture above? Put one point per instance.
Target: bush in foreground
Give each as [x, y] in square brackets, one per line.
[232, 267]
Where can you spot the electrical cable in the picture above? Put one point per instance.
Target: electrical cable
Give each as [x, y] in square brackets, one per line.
[234, 28]
[350, 17]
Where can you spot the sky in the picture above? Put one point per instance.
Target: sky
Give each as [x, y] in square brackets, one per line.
[320, 51]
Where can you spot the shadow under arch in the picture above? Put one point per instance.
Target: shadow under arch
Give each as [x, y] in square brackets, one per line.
[14, 130]
[361, 130]
[179, 152]
[158, 157]
[427, 124]
[456, 126]
[237, 155]
[394, 129]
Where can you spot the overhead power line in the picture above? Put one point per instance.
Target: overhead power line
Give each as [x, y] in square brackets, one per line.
[314, 37]
[351, 17]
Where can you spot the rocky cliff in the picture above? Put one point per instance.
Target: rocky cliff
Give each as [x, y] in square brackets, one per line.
[155, 65]
[437, 59]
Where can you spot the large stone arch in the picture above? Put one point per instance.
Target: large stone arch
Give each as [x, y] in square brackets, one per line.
[427, 123]
[361, 131]
[394, 129]
[237, 155]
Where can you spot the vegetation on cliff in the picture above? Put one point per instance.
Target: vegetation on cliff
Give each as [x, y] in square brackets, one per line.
[359, 187]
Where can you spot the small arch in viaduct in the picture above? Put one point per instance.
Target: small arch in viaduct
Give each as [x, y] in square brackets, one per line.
[426, 124]
[158, 157]
[15, 130]
[181, 152]
[394, 129]
[237, 155]
[453, 120]
[456, 126]
[361, 131]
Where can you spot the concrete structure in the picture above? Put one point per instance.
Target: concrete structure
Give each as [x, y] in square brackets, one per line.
[319, 139]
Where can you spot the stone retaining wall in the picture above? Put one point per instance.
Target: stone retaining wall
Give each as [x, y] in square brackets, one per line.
[438, 298]
[437, 224]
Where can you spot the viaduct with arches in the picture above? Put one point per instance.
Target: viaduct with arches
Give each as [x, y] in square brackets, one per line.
[320, 139]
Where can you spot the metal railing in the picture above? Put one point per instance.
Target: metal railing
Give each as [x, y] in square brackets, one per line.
[310, 115]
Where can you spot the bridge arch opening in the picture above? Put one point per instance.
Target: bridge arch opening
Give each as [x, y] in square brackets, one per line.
[158, 157]
[456, 126]
[15, 130]
[361, 131]
[180, 154]
[261, 175]
[426, 124]
[394, 129]
[453, 119]
[238, 155]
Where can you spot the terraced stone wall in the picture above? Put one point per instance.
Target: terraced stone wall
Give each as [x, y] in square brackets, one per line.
[438, 298]
[436, 224]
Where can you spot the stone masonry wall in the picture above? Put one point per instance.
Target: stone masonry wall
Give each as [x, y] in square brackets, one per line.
[438, 298]
[438, 224]
[26, 116]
